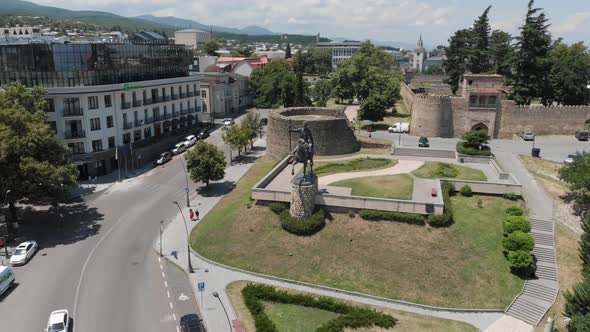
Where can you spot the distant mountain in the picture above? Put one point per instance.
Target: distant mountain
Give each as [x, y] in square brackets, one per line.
[190, 24]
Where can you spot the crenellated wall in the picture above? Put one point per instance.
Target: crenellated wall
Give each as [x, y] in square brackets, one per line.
[407, 96]
[432, 116]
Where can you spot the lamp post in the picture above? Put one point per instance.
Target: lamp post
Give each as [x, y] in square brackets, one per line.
[188, 248]
[161, 223]
[215, 294]
[188, 203]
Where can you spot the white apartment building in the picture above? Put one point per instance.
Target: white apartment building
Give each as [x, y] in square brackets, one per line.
[340, 50]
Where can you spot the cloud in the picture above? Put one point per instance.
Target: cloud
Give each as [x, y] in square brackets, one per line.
[573, 23]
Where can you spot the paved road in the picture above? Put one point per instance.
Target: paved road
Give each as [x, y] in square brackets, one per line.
[96, 258]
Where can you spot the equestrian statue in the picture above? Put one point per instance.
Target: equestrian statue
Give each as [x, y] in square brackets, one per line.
[303, 152]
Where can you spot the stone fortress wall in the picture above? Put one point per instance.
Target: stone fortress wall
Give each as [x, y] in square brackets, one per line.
[331, 131]
[449, 116]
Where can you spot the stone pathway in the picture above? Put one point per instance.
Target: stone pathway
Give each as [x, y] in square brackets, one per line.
[403, 166]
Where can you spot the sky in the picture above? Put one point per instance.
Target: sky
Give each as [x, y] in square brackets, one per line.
[385, 20]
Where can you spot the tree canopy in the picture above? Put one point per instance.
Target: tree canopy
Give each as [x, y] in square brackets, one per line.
[317, 61]
[205, 162]
[211, 47]
[321, 92]
[479, 55]
[274, 85]
[570, 73]
[455, 64]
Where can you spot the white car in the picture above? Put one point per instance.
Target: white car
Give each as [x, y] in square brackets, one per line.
[399, 127]
[228, 122]
[59, 321]
[190, 140]
[23, 253]
[527, 135]
[179, 148]
[569, 159]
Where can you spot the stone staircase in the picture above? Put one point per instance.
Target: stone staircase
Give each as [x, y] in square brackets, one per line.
[539, 294]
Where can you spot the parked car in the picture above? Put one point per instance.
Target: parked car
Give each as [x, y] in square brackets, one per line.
[23, 252]
[527, 135]
[191, 323]
[228, 122]
[569, 159]
[399, 127]
[59, 321]
[203, 133]
[582, 135]
[6, 278]
[164, 158]
[423, 142]
[179, 148]
[190, 140]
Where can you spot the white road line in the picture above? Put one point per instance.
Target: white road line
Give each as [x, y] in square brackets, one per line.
[163, 275]
[177, 328]
[165, 284]
[171, 307]
[174, 316]
[160, 259]
[168, 293]
[161, 267]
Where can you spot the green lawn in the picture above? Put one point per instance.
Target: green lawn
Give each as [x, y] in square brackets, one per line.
[354, 165]
[296, 318]
[460, 266]
[437, 170]
[367, 151]
[399, 186]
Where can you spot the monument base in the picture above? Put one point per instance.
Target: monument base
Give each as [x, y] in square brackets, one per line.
[303, 191]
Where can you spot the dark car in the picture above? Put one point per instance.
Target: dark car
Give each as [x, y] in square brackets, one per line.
[582, 135]
[202, 134]
[423, 142]
[164, 158]
[191, 323]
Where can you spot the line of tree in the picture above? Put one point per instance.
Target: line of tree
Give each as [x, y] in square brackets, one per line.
[241, 136]
[317, 61]
[577, 307]
[536, 66]
[280, 83]
[368, 77]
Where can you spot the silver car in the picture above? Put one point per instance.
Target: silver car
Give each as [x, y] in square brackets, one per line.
[527, 135]
[569, 159]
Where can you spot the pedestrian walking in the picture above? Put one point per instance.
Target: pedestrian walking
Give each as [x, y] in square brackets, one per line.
[191, 214]
[197, 214]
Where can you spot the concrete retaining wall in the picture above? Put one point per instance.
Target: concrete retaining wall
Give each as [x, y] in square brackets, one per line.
[473, 159]
[422, 152]
[490, 188]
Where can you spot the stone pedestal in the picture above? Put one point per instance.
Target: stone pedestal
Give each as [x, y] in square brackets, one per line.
[303, 191]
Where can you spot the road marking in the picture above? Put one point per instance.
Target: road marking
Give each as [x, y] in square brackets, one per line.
[183, 297]
[159, 259]
[161, 268]
[168, 293]
[163, 275]
[165, 284]
[177, 329]
[171, 307]
[174, 316]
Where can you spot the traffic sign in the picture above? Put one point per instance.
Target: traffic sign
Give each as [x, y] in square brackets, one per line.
[186, 189]
[201, 286]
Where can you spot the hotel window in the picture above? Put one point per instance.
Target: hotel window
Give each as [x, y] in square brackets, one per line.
[97, 145]
[50, 107]
[110, 121]
[112, 142]
[107, 101]
[76, 148]
[92, 102]
[203, 94]
[95, 124]
[52, 125]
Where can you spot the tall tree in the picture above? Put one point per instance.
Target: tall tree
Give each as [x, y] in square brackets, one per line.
[455, 64]
[273, 85]
[299, 66]
[532, 64]
[502, 53]
[251, 121]
[570, 73]
[211, 47]
[577, 176]
[321, 92]
[205, 163]
[288, 51]
[343, 89]
[479, 55]
[32, 162]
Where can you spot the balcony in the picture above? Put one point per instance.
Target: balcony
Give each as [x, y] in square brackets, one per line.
[166, 98]
[75, 134]
[198, 109]
[127, 125]
[182, 95]
[157, 118]
[158, 99]
[191, 110]
[147, 101]
[175, 114]
[174, 97]
[138, 123]
[167, 116]
[149, 120]
[183, 111]
[74, 111]
[125, 105]
[137, 103]
[190, 94]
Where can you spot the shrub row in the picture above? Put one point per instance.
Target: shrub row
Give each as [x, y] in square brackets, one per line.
[516, 223]
[351, 316]
[466, 191]
[462, 149]
[511, 196]
[445, 219]
[277, 207]
[409, 218]
[514, 211]
[517, 241]
[309, 226]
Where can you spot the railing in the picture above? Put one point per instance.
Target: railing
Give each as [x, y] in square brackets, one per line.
[191, 110]
[158, 99]
[190, 94]
[127, 125]
[125, 106]
[137, 103]
[138, 123]
[167, 116]
[198, 109]
[149, 120]
[147, 101]
[75, 134]
[174, 97]
[175, 114]
[166, 98]
[183, 111]
[183, 95]
[157, 118]
[73, 112]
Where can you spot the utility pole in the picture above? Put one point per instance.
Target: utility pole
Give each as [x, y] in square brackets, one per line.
[161, 223]
[215, 294]
[186, 189]
[188, 246]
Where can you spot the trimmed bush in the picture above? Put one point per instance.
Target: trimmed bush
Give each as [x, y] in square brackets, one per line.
[277, 207]
[309, 226]
[351, 316]
[520, 261]
[511, 196]
[409, 218]
[516, 223]
[514, 211]
[440, 220]
[518, 240]
[445, 170]
[466, 191]
[462, 149]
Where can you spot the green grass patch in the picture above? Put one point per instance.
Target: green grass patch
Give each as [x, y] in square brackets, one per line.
[438, 170]
[362, 151]
[296, 318]
[354, 165]
[398, 186]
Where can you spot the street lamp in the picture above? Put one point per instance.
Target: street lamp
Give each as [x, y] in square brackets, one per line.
[215, 294]
[188, 204]
[161, 223]
[188, 248]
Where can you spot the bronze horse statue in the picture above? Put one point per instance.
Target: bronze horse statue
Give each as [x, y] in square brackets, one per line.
[302, 154]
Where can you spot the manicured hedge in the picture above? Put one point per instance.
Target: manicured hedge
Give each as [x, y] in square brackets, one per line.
[514, 211]
[277, 207]
[516, 223]
[445, 219]
[466, 191]
[518, 240]
[511, 196]
[409, 218]
[309, 226]
[462, 149]
[520, 261]
[351, 316]
[440, 220]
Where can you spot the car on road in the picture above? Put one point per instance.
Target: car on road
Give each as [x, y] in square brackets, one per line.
[191, 323]
[190, 140]
[569, 159]
[527, 135]
[164, 158]
[59, 321]
[203, 133]
[399, 127]
[179, 148]
[23, 252]
[228, 122]
[6, 278]
[423, 142]
[582, 135]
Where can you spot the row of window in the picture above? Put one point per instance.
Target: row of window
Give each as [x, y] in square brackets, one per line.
[483, 101]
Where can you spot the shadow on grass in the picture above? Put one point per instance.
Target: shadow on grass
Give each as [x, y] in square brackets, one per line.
[581, 204]
[216, 189]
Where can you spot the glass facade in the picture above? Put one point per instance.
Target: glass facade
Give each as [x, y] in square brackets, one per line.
[72, 65]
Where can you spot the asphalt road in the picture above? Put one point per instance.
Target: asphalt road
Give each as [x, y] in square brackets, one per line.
[96, 259]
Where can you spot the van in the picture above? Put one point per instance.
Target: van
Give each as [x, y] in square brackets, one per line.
[582, 135]
[6, 278]
[399, 127]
